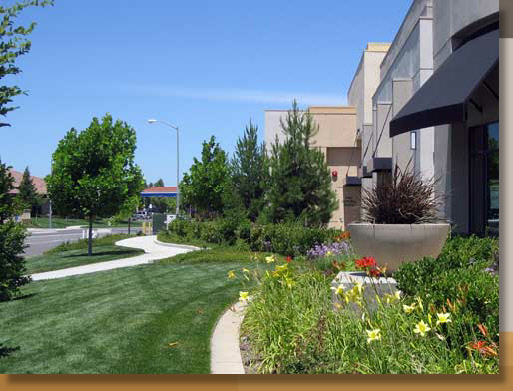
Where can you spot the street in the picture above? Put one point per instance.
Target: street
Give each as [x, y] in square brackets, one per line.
[42, 240]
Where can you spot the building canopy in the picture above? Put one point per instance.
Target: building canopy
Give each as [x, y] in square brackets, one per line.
[443, 98]
[159, 192]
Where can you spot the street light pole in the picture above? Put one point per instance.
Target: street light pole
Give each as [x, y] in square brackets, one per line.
[50, 215]
[177, 172]
[152, 121]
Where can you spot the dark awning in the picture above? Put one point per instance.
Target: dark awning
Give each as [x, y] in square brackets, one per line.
[443, 97]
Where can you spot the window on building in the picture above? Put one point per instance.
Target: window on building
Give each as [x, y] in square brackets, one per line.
[413, 140]
[493, 178]
[484, 179]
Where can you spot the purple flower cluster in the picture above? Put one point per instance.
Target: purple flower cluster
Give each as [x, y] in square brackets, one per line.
[321, 250]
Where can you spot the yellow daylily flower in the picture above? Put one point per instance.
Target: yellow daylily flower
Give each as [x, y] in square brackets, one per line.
[355, 294]
[359, 287]
[290, 283]
[419, 301]
[421, 328]
[231, 274]
[393, 298]
[373, 335]
[409, 308]
[270, 259]
[329, 253]
[443, 318]
[339, 290]
[243, 296]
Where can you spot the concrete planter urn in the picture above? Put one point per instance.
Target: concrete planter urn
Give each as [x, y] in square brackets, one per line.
[394, 244]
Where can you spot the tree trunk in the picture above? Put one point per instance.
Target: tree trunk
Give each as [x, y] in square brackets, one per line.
[129, 225]
[90, 242]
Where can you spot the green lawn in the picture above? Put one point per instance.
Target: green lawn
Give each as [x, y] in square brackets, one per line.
[59, 222]
[65, 259]
[123, 320]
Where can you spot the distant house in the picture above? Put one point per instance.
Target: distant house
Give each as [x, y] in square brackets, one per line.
[40, 186]
[39, 183]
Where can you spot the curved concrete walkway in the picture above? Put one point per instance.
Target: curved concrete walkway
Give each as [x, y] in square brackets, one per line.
[225, 357]
[153, 251]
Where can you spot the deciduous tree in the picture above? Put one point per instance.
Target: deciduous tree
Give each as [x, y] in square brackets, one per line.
[93, 172]
[204, 187]
[13, 43]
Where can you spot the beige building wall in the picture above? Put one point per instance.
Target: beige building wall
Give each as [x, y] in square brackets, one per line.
[361, 90]
[336, 139]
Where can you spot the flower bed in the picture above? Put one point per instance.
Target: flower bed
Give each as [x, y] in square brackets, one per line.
[292, 327]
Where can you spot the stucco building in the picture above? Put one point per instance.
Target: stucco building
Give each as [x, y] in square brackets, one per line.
[435, 107]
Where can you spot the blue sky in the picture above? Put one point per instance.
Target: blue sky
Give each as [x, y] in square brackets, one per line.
[207, 66]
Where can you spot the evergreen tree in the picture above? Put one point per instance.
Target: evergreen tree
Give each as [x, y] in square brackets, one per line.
[12, 237]
[250, 171]
[300, 185]
[28, 193]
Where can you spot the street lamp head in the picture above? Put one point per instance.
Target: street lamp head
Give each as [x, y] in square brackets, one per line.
[152, 121]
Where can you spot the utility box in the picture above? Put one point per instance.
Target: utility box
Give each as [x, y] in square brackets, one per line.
[159, 222]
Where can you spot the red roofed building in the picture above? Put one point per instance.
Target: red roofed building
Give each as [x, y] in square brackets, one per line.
[39, 183]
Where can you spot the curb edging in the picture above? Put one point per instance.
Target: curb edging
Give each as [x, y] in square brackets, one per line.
[225, 355]
[185, 246]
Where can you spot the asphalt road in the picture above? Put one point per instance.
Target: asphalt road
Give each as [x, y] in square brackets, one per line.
[42, 240]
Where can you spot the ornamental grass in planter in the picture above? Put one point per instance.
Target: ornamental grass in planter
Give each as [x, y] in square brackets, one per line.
[400, 220]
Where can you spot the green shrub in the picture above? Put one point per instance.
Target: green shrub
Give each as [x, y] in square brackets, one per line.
[285, 239]
[244, 231]
[459, 275]
[458, 253]
[228, 228]
[211, 232]
[179, 227]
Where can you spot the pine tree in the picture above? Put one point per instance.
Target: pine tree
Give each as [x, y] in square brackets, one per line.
[12, 237]
[300, 187]
[250, 171]
[28, 193]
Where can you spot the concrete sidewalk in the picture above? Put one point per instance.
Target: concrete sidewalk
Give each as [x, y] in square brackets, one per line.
[225, 356]
[153, 251]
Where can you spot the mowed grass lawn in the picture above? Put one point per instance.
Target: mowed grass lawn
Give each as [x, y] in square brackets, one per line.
[79, 257]
[155, 318]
